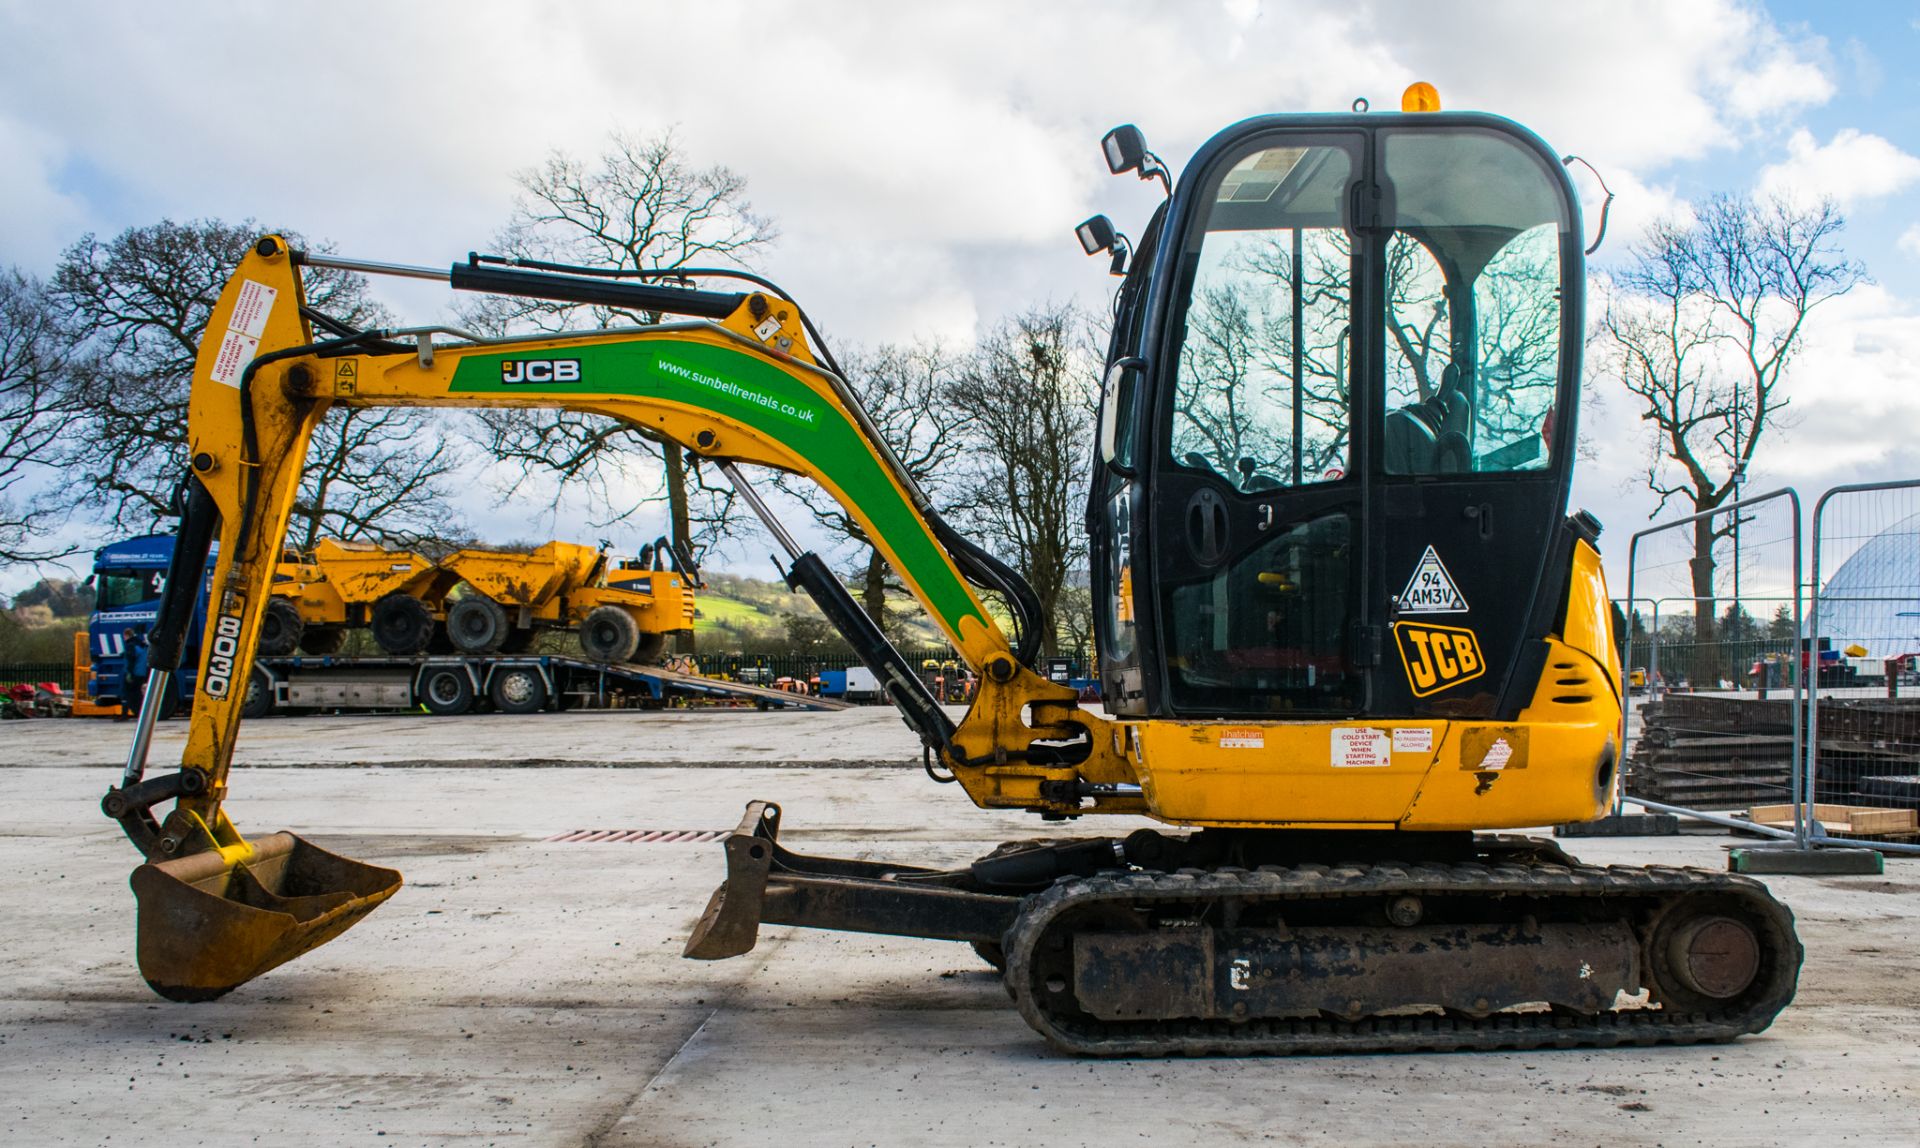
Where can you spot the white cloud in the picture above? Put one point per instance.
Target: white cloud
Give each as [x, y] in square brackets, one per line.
[924, 135]
[41, 218]
[1634, 84]
[924, 162]
[1855, 397]
[1856, 391]
[1851, 167]
[1910, 241]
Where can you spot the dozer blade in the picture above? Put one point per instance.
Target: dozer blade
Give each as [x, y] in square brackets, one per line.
[731, 923]
[208, 926]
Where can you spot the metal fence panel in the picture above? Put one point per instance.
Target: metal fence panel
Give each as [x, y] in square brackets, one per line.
[1713, 714]
[1862, 647]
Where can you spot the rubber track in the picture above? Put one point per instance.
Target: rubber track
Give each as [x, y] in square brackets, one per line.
[1084, 1036]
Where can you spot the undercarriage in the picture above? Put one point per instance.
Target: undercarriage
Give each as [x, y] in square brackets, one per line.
[1241, 941]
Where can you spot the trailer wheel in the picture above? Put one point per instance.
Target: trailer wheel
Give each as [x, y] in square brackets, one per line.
[323, 640]
[281, 628]
[259, 700]
[609, 634]
[518, 690]
[477, 624]
[447, 692]
[401, 624]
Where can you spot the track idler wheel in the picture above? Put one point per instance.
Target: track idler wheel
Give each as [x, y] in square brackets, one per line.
[1712, 956]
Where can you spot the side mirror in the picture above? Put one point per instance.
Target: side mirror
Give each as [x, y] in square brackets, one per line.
[1096, 235]
[1126, 149]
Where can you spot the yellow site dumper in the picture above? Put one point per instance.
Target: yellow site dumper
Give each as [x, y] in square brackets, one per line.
[479, 600]
[507, 597]
[319, 596]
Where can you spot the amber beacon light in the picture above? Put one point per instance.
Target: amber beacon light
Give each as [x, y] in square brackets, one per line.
[1420, 96]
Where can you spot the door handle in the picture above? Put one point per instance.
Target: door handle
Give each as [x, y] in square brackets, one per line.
[1482, 514]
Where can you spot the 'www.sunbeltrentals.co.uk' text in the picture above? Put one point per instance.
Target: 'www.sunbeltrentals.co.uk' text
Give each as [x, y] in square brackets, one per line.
[735, 389]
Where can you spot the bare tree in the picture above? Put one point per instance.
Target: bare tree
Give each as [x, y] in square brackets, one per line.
[371, 474]
[1028, 401]
[31, 366]
[639, 206]
[1701, 327]
[135, 307]
[907, 391]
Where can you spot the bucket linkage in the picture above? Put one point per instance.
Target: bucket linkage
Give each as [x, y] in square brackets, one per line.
[215, 910]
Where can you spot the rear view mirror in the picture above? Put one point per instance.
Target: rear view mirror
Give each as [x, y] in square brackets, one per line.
[1096, 235]
[1126, 149]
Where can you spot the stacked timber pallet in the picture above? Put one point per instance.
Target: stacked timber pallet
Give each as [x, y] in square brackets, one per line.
[1846, 822]
[1720, 753]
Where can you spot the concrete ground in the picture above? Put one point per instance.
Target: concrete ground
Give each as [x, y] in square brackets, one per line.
[525, 992]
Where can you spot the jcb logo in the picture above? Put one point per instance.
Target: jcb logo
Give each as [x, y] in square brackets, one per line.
[540, 371]
[1437, 657]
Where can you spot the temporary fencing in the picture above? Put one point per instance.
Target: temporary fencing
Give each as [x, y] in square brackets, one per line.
[1695, 730]
[1753, 686]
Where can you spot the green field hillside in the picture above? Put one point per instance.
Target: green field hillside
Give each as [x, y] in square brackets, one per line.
[753, 616]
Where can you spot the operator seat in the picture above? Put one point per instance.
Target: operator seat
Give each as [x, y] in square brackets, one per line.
[1430, 436]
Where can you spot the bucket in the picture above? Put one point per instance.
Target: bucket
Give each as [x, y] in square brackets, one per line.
[208, 926]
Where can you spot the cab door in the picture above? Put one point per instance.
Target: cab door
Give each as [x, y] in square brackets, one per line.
[1257, 520]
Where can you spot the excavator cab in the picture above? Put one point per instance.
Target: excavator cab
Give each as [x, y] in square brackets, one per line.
[1331, 481]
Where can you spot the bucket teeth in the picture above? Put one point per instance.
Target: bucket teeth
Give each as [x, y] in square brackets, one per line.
[207, 926]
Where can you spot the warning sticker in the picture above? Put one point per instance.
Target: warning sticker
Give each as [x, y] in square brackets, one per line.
[1235, 738]
[1493, 749]
[250, 311]
[1431, 589]
[244, 328]
[1359, 748]
[1498, 755]
[236, 351]
[1413, 739]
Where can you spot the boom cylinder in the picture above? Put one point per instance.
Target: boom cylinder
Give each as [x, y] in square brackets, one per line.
[184, 572]
[917, 704]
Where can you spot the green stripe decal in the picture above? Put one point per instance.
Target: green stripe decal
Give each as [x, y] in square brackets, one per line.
[749, 390]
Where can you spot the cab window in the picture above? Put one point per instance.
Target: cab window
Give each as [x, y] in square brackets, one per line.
[114, 591]
[1473, 304]
[1261, 392]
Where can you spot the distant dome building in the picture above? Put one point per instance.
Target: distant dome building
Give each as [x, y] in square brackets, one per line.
[1873, 600]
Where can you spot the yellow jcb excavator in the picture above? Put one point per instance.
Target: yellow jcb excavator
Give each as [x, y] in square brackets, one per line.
[1344, 621]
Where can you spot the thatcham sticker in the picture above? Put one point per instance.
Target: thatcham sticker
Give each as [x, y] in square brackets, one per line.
[1431, 589]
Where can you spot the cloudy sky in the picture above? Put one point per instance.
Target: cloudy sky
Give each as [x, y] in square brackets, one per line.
[926, 162]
